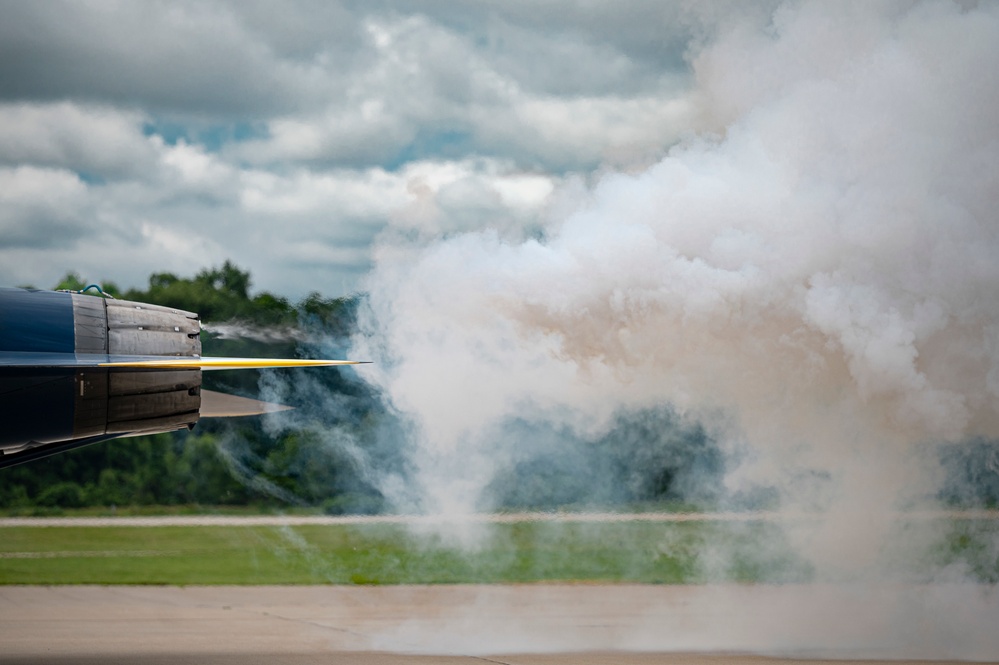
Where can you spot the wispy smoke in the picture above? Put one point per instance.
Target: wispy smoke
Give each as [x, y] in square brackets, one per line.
[812, 282]
[236, 455]
[235, 330]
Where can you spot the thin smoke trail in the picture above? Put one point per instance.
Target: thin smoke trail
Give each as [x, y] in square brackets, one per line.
[236, 330]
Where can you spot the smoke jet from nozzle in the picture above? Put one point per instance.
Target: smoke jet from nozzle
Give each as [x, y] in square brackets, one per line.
[234, 330]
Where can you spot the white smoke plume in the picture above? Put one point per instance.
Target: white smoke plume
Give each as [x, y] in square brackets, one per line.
[813, 279]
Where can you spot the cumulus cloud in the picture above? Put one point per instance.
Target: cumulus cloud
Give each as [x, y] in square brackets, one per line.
[41, 208]
[220, 122]
[439, 91]
[353, 86]
[98, 141]
[444, 198]
[187, 57]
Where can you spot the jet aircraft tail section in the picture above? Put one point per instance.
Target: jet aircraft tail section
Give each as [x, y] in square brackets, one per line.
[78, 369]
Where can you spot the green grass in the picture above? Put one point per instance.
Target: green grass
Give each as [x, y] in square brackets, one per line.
[388, 554]
[522, 552]
[263, 509]
[157, 510]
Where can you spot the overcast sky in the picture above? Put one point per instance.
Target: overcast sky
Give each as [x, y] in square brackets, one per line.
[288, 137]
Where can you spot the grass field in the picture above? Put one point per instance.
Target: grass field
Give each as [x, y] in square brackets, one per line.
[387, 554]
[642, 552]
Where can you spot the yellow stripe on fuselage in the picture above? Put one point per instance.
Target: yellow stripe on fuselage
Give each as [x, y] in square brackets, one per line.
[226, 363]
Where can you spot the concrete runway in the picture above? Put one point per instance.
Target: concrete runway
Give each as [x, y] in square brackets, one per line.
[512, 624]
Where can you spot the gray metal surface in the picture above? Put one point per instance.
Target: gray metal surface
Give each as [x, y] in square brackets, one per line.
[141, 329]
[90, 324]
[121, 401]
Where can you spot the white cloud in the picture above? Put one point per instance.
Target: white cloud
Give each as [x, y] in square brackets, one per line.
[460, 196]
[189, 170]
[326, 122]
[193, 209]
[349, 194]
[99, 141]
[163, 241]
[191, 57]
[426, 86]
[41, 208]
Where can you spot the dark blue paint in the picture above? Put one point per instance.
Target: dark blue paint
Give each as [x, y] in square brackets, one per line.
[36, 321]
[36, 404]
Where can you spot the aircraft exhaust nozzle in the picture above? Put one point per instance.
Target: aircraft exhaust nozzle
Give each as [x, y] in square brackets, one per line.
[122, 327]
[78, 369]
[137, 401]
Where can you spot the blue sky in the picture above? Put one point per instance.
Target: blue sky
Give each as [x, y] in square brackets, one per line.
[289, 137]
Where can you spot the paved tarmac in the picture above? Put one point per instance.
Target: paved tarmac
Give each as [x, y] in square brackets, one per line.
[548, 624]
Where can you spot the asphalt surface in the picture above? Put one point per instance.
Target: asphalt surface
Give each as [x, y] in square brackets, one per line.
[512, 624]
